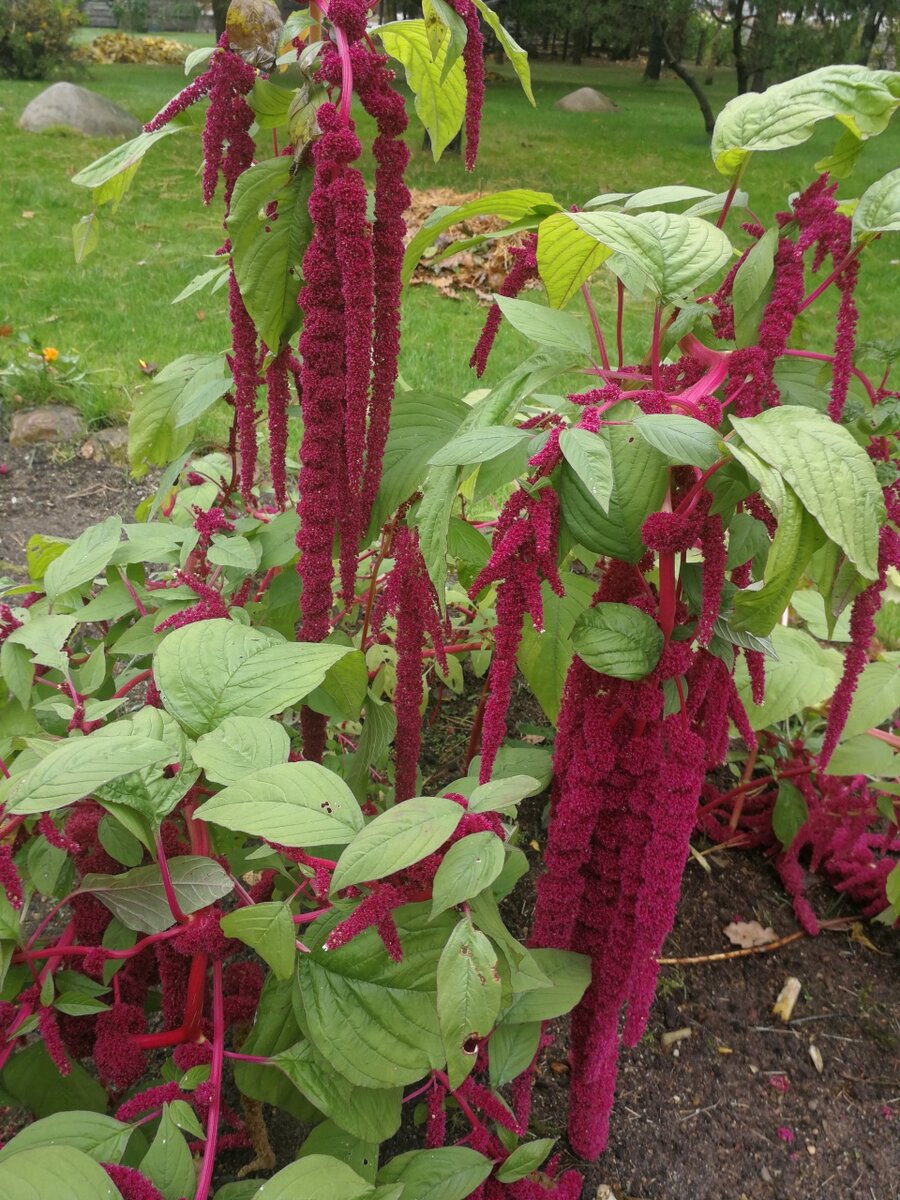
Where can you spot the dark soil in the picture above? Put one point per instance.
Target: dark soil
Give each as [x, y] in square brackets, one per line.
[708, 1119]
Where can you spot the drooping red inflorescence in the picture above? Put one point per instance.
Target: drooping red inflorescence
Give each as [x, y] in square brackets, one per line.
[712, 542]
[10, 880]
[473, 63]
[523, 270]
[524, 552]
[119, 1062]
[244, 361]
[131, 1183]
[53, 1042]
[410, 597]
[227, 145]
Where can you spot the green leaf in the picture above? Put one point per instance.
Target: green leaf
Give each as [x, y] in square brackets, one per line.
[524, 972]
[683, 440]
[786, 114]
[421, 423]
[168, 1163]
[468, 867]
[588, 456]
[480, 445]
[298, 804]
[343, 690]
[377, 732]
[618, 640]
[159, 428]
[502, 793]
[640, 477]
[138, 897]
[831, 473]
[214, 669]
[468, 997]
[448, 1173]
[66, 1174]
[511, 48]
[747, 538]
[754, 274]
[441, 22]
[569, 974]
[33, 1081]
[85, 236]
[100, 1137]
[267, 254]
[675, 253]
[892, 887]
[878, 210]
[328, 1138]
[525, 1159]
[373, 1019]
[544, 658]
[440, 101]
[804, 675]
[270, 104]
[789, 813]
[371, 1114]
[511, 1051]
[274, 1029]
[863, 755]
[396, 839]
[511, 761]
[515, 206]
[45, 636]
[239, 747]
[85, 558]
[876, 698]
[546, 326]
[315, 1177]
[81, 765]
[269, 930]
[233, 551]
[119, 843]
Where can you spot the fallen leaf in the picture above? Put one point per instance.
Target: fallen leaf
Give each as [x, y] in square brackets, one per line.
[816, 1055]
[787, 998]
[748, 934]
[200, 314]
[6, 330]
[857, 935]
[26, 216]
[675, 1035]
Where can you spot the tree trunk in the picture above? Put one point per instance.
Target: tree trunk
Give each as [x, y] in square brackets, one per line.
[701, 45]
[688, 79]
[712, 59]
[870, 30]
[565, 49]
[655, 54]
[761, 48]
[578, 47]
[736, 11]
[220, 11]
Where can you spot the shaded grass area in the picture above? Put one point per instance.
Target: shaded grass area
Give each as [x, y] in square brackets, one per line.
[116, 308]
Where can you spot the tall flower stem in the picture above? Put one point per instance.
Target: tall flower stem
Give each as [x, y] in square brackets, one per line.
[204, 1181]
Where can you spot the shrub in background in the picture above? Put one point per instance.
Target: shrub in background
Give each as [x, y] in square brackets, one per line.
[35, 37]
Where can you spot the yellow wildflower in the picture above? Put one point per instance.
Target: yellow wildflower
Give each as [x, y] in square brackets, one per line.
[49, 354]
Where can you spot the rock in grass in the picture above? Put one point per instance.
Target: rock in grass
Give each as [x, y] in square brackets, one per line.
[77, 108]
[586, 100]
[52, 423]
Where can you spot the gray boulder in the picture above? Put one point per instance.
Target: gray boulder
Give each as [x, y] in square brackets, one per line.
[76, 107]
[52, 423]
[586, 100]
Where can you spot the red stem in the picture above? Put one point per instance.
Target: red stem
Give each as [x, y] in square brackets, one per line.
[212, 1121]
[129, 588]
[595, 321]
[175, 908]
[126, 687]
[654, 347]
[830, 278]
[620, 312]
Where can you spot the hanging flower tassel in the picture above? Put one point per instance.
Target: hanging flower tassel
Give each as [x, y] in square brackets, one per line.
[473, 64]
[523, 270]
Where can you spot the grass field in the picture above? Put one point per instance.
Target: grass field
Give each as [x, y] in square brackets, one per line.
[116, 308]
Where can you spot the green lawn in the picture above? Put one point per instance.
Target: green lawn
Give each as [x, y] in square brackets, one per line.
[115, 309]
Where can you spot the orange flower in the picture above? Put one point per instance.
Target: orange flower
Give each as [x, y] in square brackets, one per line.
[49, 354]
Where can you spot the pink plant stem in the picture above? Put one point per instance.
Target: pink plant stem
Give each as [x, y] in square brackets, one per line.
[729, 199]
[132, 683]
[259, 1059]
[459, 648]
[212, 1121]
[620, 313]
[346, 75]
[168, 888]
[420, 1091]
[595, 321]
[27, 1009]
[50, 951]
[890, 739]
[129, 588]
[830, 278]
[654, 347]
[4, 770]
[305, 918]
[863, 379]
[48, 918]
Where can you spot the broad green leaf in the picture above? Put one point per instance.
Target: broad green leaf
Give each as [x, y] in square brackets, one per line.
[683, 440]
[514, 206]
[66, 1174]
[876, 698]
[298, 804]
[753, 274]
[878, 210]
[588, 456]
[640, 477]
[524, 972]
[448, 1173]
[480, 445]
[569, 976]
[138, 897]
[864, 755]
[373, 1019]
[159, 428]
[371, 1114]
[804, 675]
[85, 236]
[789, 813]
[443, 22]
[396, 839]
[215, 276]
[100, 1137]
[468, 997]
[810, 606]
[32, 1080]
[377, 733]
[618, 640]
[315, 1177]
[421, 423]
[233, 551]
[468, 867]
[267, 254]
[440, 101]
[168, 1162]
[516, 761]
[831, 473]
[511, 48]
[85, 558]
[79, 766]
[241, 746]
[44, 636]
[270, 104]
[747, 538]
[511, 1050]
[525, 1159]
[328, 1138]
[544, 658]
[500, 793]
[655, 197]
[214, 669]
[269, 930]
[675, 253]
[892, 888]
[274, 1029]
[786, 114]
[342, 692]
[546, 326]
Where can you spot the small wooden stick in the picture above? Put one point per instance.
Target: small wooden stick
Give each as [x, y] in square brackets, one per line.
[838, 923]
